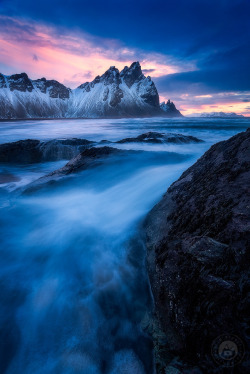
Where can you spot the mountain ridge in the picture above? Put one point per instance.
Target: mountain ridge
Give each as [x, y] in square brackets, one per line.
[221, 115]
[128, 93]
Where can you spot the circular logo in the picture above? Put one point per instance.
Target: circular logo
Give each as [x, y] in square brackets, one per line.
[227, 350]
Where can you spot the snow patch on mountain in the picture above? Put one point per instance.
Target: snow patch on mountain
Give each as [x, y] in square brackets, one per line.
[221, 115]
[114, 94]
[170, 108]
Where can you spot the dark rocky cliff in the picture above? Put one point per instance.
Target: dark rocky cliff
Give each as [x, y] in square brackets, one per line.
[197, 239]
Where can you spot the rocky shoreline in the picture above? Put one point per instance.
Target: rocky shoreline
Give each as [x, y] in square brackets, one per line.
[31, 151]
[197, 240]
[196, 237]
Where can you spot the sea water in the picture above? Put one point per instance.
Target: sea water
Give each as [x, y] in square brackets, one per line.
[74, 288]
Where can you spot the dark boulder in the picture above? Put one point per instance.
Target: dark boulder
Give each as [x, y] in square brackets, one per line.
[21, 152]
[87, 159]
[197, 240]
[156, 137]
[32, 151]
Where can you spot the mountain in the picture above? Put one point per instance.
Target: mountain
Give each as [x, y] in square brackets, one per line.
[170, 109]
[114, 94]
[221, 115]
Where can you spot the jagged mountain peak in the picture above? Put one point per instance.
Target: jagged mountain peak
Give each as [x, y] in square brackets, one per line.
[169, 108]
[53, 87]
[20, 82]
[125, 93]
[132, 74]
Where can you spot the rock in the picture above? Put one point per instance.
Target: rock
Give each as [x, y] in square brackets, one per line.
[20, 82]
[132, 74]
[156, 137]
[21, 152]
[32, 151]
[197, 241]
[53, 88]
[7, 177]
[63, 149]
[97, 156]
[87, 159]
[170, 109]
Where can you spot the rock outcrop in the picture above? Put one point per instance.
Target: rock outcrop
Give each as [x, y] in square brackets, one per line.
[197, 240]
[170, 109]
[89, 158]
[114, 94]
[31, 151]
[157, 137]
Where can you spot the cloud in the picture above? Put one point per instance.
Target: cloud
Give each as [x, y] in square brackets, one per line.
[148, 71]
[222, 101]
[69, 56]
[186, 30]
[197, 48]
[205, 82]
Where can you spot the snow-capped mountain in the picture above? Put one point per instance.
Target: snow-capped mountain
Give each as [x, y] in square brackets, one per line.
[170, 109]
[221, 115]
[114, 94]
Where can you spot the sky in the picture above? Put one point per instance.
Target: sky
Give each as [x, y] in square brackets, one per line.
[197, 51]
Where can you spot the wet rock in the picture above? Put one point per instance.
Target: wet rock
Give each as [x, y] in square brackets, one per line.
[156, 137]
[197, 240]
[6, 177]
[32, 151]
[89, 158]
[23, 152]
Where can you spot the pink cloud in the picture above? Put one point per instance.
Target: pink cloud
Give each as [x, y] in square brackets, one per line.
[67, 57]
[219, 102]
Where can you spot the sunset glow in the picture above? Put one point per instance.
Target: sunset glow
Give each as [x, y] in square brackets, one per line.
[71, 59]
[73, 56]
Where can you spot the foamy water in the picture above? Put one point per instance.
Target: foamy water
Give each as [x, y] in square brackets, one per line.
[74, 285]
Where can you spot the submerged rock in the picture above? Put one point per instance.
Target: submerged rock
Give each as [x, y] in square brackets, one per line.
[87, 159]
[157, 137]
[197, 240]
[32, 151]
[7, 177]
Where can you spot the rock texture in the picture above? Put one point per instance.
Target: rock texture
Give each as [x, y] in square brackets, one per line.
[156, 137]
[197, 238]
[87, 159]
[32, 151]
[114, 94]
[170, 109]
